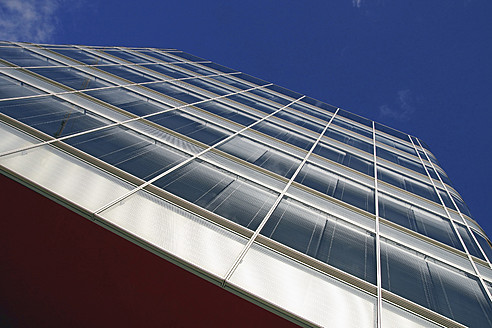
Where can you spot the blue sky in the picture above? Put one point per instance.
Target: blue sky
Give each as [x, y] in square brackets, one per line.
[423, 67]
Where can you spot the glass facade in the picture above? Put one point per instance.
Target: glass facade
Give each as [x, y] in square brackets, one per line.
[308, 210]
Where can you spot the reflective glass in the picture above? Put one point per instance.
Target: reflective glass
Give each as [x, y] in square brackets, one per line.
[70, 77]
[228, 112]
[300, 121]
[349, 140]
[418, 220]
[323, 237]
[158, 55]
[284, 134]
[452, 293]
[355, 118]
[353, 128]
[223, 193]
[400, 160]
[354, 162]
[128, 151]
[391, 131]
[485, 244]
[51, 115]
[336, 186]
[127, 73]
[190, 126]
[396, 144]
[261, 155]
[126, 56]
[23, 57]
[83, 56]
[10, 88]
[469, 242]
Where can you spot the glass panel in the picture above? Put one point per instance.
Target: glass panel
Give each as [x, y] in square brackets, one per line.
[284, 134]
[221, 192]
[397, 145]
[469, 242]
[418, 220]
[187, 56]
[70, 77]
[228, 112]
[355, 118]
[353, 128]
[285, 115]
[176, 92]
[190, 126]
[326, 116]
[448, 291]
[50, 115]
[82, 56]
[126, 56]
[159, 56]
[10, 88]
[23, 57]
[323, 237]
[333, 185]
[127, 73]
[167, 71]
[128, 151]
[390, 131]
[254, 103]
[393, 316]
[346, 139]
[355, 162]
[485, 244]
[400, 160]
[461, 204]
[261, 155]
[319, 104]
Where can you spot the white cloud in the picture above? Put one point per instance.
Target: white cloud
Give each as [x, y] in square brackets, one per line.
[403, 107]
[28, 20]
[357, 3]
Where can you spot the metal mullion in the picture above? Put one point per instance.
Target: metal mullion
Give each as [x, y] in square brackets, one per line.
[398, 151]
[453, 224]
[378, 241]
[95, 65]
[142, 186]
[274, 206]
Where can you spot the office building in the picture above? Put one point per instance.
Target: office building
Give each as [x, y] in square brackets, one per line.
[314, 213]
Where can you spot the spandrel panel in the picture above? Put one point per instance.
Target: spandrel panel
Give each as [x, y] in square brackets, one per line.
[66, 176]
[323, 237]
[184, 236]
[448, 291]
[303, 291]
[23, 57]
[10, 88]
[336, 155]
[221, 192]
[190, 126]
[418, 220]
[228, 112]
[50, 115]
[261, 155]
[393, 316]
[284, 134]
[336, 186]
[128, 151]
[70, 77]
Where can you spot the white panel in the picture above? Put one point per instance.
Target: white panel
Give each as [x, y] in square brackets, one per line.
[66, 176]
[393, 316]
[303, 291]
[12, 139]
[178, 232]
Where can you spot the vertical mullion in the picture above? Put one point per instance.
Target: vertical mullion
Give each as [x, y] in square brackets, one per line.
[378, 243]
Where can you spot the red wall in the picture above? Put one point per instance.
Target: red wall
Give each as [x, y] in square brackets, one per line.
[58, 269]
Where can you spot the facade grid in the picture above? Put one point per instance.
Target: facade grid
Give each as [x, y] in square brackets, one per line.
[304, 208]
